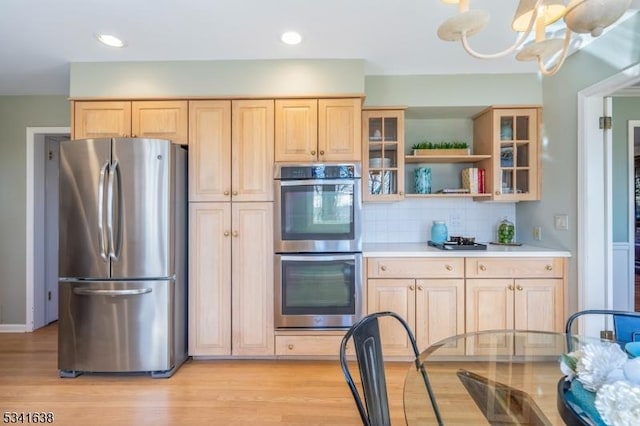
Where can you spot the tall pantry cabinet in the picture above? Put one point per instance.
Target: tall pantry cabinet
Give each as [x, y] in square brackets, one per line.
[231, 227]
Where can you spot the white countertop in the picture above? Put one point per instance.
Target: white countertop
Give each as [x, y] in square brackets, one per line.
[424, 250]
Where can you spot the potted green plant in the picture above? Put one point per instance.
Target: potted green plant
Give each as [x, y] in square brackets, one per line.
[441, 148]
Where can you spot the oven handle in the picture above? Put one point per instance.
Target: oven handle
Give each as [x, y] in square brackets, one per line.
[318, 182]
[324, 257]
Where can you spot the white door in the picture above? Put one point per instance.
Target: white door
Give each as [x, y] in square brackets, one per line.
[52, 151]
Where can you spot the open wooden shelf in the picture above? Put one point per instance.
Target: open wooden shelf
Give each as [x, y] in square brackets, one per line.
[436, 159]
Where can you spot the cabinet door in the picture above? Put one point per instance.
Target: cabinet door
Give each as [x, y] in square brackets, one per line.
[210, 151]
[252, 271]
[538, 305]
[396, 295]
[209, 279]
[439, 313]
[382, 155]
[160, 120]
[252, 150]
[296, 130]
[489, 306]
[339, 127]
[104, 119]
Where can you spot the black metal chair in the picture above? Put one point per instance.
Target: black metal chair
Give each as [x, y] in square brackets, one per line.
[626, 325]
[366, 340]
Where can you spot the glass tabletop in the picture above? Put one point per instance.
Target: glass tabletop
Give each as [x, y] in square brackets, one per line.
[504, 377]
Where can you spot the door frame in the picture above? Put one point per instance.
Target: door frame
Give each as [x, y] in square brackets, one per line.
[594, 237]
[34, 286]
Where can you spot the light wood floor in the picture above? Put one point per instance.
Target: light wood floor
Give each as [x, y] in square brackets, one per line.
[211, 392]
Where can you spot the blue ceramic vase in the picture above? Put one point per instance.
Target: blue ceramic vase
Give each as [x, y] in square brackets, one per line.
[422, 179]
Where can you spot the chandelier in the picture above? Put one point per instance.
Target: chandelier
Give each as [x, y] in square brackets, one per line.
[580, 16]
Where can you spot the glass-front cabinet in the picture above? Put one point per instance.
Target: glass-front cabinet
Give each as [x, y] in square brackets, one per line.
[383, 154]
[511, 136]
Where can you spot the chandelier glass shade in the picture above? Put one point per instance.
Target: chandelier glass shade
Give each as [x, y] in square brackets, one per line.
[580, 16]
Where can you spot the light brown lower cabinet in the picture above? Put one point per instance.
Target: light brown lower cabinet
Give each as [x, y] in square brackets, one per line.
[231, 279]
[433, 307]
[514, 294]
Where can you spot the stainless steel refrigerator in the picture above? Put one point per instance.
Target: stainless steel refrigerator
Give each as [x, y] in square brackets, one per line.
[122, 250]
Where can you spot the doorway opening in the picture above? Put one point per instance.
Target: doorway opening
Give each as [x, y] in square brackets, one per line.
[42, 224]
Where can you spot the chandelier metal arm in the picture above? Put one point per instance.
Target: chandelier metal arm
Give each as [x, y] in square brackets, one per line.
[465, 44]
[565, 50]
[521, 39]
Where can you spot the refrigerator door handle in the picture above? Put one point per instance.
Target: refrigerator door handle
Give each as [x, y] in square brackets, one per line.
[89, 292]
[114, 170]
[101, 236]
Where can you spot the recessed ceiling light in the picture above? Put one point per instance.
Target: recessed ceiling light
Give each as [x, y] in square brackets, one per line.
[291, 37]
[110, 40]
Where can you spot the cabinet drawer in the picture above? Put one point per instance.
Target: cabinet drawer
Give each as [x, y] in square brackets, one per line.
[308, 345]
[541, 267]
[415, 268]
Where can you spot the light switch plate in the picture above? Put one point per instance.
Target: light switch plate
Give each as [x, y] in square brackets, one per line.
[561, 222]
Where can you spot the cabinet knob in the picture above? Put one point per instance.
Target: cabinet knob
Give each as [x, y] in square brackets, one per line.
[321, 152]
[226, 233]
[510, 287]
[313, 153]
[519, 288]
[420, 288]
[235, 233]
[549, 268]
[383, 268]
[449, 268]
[401, 193]
[290, 346]
[411, 287]
[226, 192]
[235, 193]
[497, 192]
[482, 268]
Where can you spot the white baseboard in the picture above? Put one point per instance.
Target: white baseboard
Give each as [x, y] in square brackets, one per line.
[13, 328]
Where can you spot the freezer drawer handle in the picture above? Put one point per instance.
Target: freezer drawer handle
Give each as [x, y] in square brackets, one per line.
[88, 292]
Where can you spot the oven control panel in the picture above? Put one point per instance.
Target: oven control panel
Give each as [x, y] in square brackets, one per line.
[317, 171]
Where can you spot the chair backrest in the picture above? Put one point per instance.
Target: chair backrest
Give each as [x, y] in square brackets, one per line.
[368, 348]
[626, 325]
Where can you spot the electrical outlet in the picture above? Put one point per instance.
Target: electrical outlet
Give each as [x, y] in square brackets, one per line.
[537, 233]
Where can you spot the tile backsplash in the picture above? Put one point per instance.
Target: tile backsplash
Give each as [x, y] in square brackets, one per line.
[410, 221]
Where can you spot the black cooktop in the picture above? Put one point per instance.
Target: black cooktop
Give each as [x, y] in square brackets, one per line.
[452, 245]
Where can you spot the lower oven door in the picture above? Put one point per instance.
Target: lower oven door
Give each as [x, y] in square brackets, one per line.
[318, 290]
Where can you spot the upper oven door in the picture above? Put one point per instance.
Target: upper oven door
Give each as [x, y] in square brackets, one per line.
[322, 215]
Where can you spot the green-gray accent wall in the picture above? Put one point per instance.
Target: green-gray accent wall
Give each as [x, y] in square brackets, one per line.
[624, 109]
[16, 114]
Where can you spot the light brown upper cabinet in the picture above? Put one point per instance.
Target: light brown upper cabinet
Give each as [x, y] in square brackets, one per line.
[223, 167]
[383, 154]
[318, 129]
[143, 119]
[511, 135]
[210, 150]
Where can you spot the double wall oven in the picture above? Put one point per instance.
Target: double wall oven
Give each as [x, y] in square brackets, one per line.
[318, 245]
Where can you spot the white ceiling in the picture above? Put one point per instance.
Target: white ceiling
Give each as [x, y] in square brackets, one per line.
[39, 38]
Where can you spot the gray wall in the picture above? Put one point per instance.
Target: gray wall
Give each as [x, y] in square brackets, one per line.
[16, 114]
[624, 109]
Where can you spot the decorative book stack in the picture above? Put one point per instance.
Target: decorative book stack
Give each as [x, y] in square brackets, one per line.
[473, 180]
